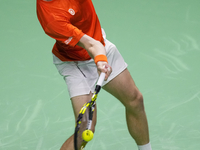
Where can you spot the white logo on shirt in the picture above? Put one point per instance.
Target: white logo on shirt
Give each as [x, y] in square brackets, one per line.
[68, 40]
[71, 11]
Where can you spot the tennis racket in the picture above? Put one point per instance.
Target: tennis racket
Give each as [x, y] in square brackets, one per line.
[84, 120]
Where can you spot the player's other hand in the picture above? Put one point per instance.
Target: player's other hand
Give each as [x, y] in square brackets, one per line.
[103, 66]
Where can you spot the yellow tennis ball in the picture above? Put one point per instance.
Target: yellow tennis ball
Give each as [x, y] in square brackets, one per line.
[87, 135]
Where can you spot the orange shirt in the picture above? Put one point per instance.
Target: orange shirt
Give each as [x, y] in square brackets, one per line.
[67, 21]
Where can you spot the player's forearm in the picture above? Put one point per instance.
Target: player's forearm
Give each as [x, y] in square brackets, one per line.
[92, 46]
[96, 49]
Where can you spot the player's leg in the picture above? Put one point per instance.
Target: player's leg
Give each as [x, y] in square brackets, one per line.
[124, 89]
[77, 103]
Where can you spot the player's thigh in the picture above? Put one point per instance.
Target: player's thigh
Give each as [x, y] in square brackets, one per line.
[78, 102]
[123, 88]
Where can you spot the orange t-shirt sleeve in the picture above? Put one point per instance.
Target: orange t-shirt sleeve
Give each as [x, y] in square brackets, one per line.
[57, 25]
[64, 32]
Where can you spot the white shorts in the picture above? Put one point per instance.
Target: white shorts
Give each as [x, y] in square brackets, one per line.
[81, 76]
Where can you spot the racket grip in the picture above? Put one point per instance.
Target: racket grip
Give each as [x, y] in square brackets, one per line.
[101, 79]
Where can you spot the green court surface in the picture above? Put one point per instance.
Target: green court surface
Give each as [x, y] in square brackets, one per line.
[160, 41]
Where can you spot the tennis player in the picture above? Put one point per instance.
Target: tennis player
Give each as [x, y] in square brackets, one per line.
[81, 52]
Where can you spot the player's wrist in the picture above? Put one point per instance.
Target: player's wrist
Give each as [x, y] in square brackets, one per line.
[100, 57]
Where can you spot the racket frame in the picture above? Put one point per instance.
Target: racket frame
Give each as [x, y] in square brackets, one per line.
[91, 106]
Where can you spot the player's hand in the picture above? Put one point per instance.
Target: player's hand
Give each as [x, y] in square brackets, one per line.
[103, 66]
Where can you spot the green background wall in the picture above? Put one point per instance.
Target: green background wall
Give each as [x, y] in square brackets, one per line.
[160, 41]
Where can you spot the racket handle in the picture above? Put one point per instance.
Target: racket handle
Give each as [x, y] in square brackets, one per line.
[101, 79]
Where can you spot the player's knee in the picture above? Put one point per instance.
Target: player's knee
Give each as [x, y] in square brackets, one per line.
[135, 103]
